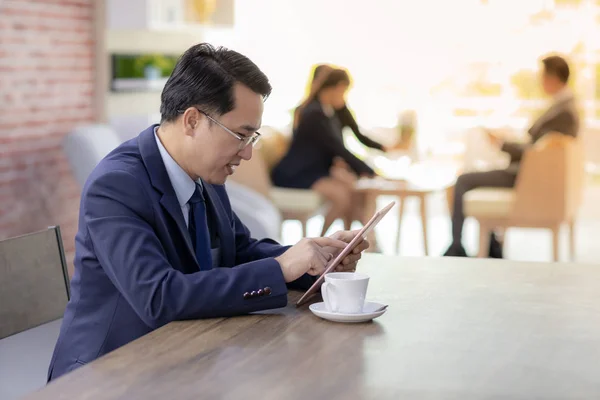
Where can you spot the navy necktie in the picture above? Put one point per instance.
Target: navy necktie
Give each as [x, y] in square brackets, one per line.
[198, 227]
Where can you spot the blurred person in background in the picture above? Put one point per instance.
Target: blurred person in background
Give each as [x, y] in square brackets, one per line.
[343, 113]
[561, 116]
[346, 119]
[317, 158]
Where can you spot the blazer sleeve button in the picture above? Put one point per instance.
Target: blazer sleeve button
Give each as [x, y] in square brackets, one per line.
[260, 292]
[247, 296]
[267, 291]
[253, 294]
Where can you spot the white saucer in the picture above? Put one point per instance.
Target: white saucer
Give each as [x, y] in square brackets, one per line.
[368, 313]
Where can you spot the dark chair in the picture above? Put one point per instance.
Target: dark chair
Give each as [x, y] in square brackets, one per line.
[34, 290]
[34, 282]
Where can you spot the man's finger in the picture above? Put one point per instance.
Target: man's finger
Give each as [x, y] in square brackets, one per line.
[327, 241]
[326, 253]
[317, 268]
[359, 248]
[321, 256]
[351, 259]
[346, 268]
[362, 246]
[346, 236]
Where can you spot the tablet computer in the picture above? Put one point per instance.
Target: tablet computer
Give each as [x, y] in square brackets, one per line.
[347, 250]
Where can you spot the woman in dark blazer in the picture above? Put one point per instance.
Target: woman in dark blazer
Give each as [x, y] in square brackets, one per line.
[343, 114]
[316, 143]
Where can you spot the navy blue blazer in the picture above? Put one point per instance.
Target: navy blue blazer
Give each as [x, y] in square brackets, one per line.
[135, 268]
[316, 142]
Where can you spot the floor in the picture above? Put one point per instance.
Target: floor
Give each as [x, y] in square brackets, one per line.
[521, 244]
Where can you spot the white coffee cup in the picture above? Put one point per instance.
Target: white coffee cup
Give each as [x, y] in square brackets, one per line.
[345, 292]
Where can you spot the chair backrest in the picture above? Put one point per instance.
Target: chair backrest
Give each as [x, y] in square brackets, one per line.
[257, 212]
[34, 282]
[86, 146]
[273, 145]
[550, 181]
[256, 173]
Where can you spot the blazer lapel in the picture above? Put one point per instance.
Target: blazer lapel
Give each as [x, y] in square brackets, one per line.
[555, 109]
[171, 205]
[224, 226]
[161, 182]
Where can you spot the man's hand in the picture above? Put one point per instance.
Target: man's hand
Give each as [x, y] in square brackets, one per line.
[308, 256]
[349, 262]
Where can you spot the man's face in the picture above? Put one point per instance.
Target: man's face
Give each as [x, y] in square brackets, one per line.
[551, 84]
[213, 153]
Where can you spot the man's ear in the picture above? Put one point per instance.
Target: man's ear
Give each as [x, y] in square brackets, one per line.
[190, 120]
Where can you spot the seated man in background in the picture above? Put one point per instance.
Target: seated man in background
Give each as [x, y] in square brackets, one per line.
[561, 117]
[158, 240]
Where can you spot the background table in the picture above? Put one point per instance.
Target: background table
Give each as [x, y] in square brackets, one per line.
[456, 328]
[373, 188]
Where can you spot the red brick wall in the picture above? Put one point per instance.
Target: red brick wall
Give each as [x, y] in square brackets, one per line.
[46, 89]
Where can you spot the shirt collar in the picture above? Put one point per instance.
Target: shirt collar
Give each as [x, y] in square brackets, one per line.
[328, 110]
[564, 94]
[183, 185]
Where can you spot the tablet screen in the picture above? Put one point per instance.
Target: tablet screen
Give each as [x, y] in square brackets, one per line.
[347, 250]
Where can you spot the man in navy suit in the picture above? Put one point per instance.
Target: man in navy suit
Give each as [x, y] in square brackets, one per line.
[158, 240]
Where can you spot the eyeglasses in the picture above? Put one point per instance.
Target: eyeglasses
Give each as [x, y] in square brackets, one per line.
[244, 140]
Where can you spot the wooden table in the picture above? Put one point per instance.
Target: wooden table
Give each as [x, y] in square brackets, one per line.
[373, 188]
[456, 328]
